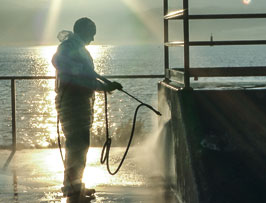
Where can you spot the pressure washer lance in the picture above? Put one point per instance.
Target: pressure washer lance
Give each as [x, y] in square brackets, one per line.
[107, 145]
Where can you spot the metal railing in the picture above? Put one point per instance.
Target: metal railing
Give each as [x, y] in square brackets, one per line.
[13, 100]
[182, 76]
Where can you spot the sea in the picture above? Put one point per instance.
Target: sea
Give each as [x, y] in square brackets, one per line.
[36, 171]
[35, 109]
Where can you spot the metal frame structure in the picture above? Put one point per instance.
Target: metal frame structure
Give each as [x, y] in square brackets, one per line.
[182, 75]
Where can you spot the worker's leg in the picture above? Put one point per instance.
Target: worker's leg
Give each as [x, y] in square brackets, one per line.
[75, 162]
[76, 118]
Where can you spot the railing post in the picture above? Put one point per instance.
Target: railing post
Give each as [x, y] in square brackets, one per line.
[166, 49]
[186, 43]
[14, 128]
[13, 103]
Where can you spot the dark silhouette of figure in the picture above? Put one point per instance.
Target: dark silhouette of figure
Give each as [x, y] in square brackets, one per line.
[75, 86]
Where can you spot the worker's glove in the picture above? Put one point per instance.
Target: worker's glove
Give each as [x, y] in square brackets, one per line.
[114, 86]
[117, 85]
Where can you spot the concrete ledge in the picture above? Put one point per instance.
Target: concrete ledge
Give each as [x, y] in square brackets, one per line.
[219, 139]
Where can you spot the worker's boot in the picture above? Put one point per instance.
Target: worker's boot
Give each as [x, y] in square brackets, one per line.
[78, 193]
[80, 199]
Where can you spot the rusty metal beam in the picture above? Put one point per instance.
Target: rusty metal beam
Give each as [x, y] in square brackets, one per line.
[174, 14]
[228, 72]
[166, 37]
[216, 16]
[220, 43]
[186, 43]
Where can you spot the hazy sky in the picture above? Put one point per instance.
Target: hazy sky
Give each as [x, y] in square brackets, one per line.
[34, 22]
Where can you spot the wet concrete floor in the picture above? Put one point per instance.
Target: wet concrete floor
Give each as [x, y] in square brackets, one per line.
[36, 175]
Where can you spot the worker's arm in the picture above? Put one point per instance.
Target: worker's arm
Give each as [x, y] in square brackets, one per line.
[74, 72]
[113, 85]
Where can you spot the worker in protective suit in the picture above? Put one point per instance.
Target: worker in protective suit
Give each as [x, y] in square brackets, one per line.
[75, 86]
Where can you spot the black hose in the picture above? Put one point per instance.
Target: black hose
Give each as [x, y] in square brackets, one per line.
[107, 145]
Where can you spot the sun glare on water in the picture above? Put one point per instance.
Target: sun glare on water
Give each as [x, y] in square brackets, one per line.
[47, 105]
[47, 53]
[94, 174]
[246, 2]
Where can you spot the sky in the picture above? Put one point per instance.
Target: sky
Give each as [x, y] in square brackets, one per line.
[37, 22]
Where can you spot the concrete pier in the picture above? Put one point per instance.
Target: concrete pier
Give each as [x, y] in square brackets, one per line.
[215, 143]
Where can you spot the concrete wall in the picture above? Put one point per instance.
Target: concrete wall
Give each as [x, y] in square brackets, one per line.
[218, 141]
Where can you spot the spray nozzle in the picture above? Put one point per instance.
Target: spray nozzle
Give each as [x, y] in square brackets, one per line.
[154, 110]
[158, 113]
[149, 106]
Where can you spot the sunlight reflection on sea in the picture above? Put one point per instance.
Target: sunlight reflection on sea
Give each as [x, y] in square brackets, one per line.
[36, 114]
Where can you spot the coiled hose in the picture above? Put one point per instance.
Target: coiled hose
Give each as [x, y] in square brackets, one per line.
[107, 145]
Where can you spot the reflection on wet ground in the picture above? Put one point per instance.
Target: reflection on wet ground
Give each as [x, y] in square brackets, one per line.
[37, 175]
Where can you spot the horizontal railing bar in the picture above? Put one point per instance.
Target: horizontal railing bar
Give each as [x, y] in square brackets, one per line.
[222, 71]
[227, 16]
[25, 77]
[238, 42]
[134, 76]
[13, 100]
[221, 16]
[53, 77]
[174, 14]
[228, 71]
[215, 43]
